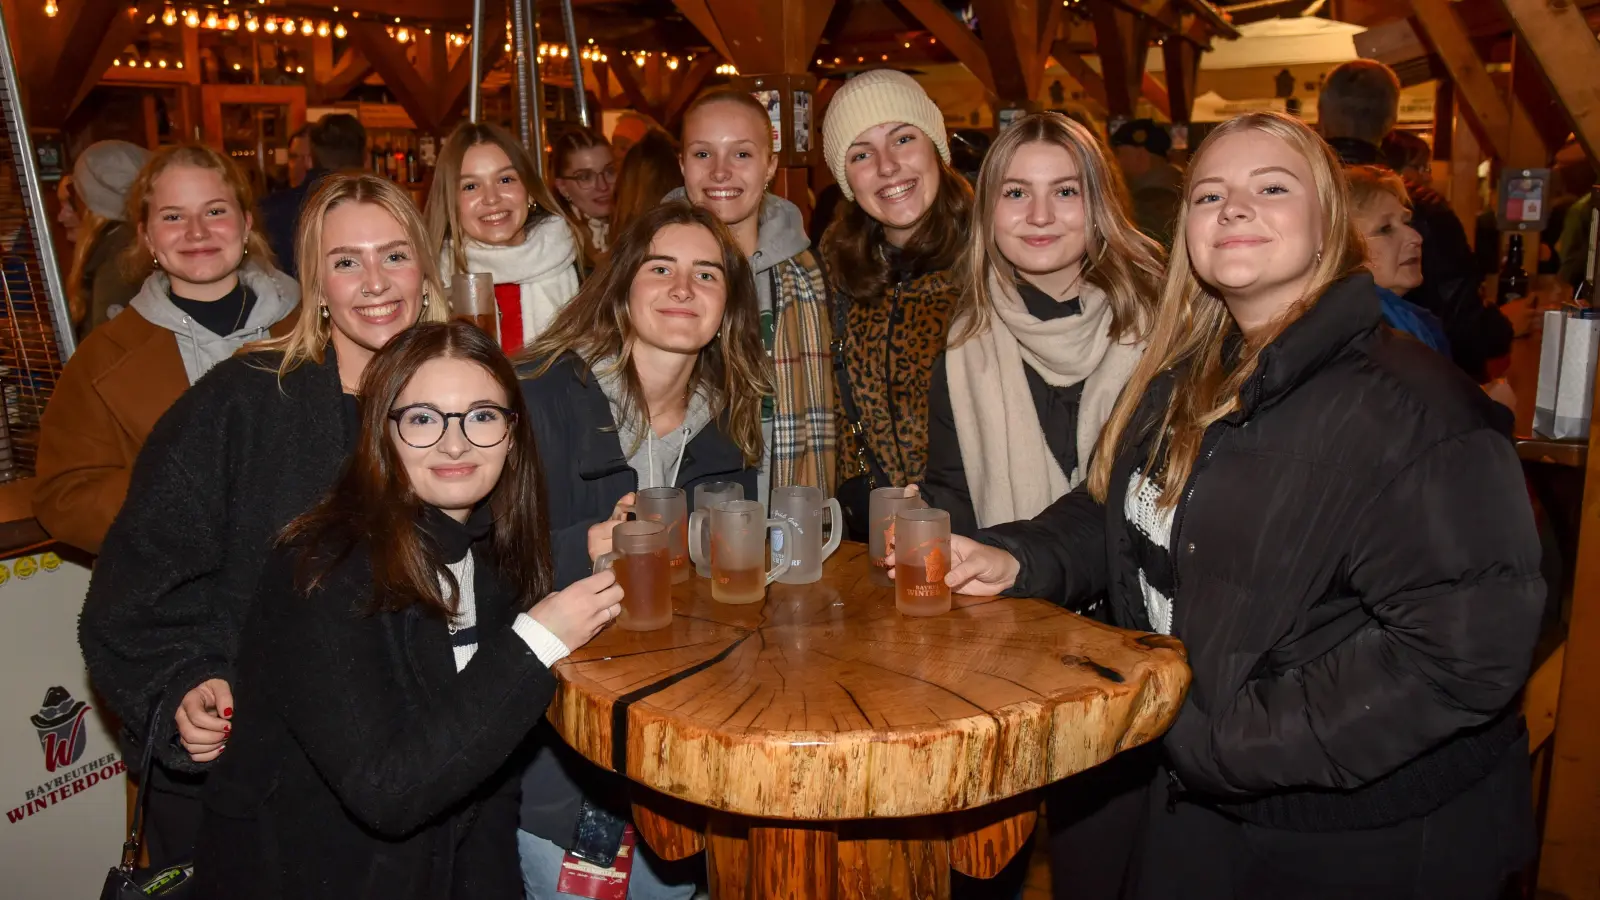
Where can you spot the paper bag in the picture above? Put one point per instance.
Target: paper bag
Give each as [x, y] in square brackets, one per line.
[1565, 395]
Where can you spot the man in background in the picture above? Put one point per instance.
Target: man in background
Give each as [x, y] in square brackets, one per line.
[1359, 105]
[338, 143]
[299, 156]
[1154, 183]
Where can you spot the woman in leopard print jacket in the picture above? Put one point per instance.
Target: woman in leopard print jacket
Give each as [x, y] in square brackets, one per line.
[889, 258]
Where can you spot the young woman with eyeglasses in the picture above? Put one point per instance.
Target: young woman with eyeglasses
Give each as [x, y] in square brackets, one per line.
[399, 650]
[653, 377]
[489, 211]
[583, 169]
[241, 454]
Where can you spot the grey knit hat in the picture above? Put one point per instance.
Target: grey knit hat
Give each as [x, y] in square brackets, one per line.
[103, 174]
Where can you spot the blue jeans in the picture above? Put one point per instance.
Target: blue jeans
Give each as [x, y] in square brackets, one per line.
[541, 870]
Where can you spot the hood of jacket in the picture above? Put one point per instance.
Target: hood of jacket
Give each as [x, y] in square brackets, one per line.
[547, 249]
[277, 295]
[780, 234]
[656, 460]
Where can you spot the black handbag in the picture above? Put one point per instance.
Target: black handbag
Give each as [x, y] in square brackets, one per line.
[854, 493]
[125, 882]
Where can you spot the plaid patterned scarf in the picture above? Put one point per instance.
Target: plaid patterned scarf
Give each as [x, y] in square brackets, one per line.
[803, 439]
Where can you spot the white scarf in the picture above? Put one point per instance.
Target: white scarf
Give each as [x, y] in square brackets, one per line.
[1010, 470]
[543, 265]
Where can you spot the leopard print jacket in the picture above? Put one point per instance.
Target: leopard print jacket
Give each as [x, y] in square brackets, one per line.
[889, 350]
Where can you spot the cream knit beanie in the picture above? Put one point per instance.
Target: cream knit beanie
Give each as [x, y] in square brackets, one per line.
[869, 100]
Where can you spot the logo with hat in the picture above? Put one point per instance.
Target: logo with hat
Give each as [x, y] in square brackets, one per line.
[59, 722]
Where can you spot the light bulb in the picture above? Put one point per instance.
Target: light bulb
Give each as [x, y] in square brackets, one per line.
[233, 21]
[162, 64]
[179, 63]
[251, 25]
[271, 26]
[672, 63]
[191, 19]
[299, 70]
[50, 8]
[306, 28]
[147, 64]
[116, 62]
[403, 35]
[339, 30]
[212, 20]
[237, 67]
[322, 29]
[169, 17]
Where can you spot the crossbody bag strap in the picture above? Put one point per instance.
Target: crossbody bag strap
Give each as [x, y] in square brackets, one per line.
[865, 463]
[130, 848]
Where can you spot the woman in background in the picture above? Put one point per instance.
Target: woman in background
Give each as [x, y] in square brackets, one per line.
[428, 558]
[583, 170]
[99, 286]
[890, 258]
[209, 286]
[238, 457]
[1380, 209]
[650, 171]
[489, 211]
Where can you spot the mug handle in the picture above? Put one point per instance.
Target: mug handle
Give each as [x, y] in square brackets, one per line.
[780, 557]
[699, 528]
[606, 560]
[835, 526]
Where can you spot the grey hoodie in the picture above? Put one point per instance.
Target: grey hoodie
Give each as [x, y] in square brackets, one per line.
[780, 235]
[656, 460]
[276, 295]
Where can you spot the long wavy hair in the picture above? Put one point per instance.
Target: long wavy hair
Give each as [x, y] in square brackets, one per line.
[308, 340]
[1193, 328]
[649, 172]
[444, 213]
[852, 245]
[1118, 258]
[136, 262]
[733, 369]
[374, 502]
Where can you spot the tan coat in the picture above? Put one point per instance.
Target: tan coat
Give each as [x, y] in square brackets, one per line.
[123, 378]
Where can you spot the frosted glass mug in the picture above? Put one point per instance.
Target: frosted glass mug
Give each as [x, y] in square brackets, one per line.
[921, 560]
[667, 506]
[737, 550]
[644, 573]
[806, 508]
[472, 298]
[884, 505]
[707, 496]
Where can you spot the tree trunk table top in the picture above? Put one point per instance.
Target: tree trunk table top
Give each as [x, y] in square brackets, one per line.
[824, 703]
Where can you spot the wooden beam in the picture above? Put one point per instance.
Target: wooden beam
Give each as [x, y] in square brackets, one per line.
[1181, 60]
[1541, 697]
[121, 32]
[955, 36]
[69, 71]
[1156, 93]
[1465, 200]
[688, 89]
[632, 91]
[753, 46]
[399, 76]
[1050, 14]
[698, 12]
[1091, 82]
[818, 12]
[1556, 32]
[452, 99]
[1011, 44]
[352, 69]
[1436, 23]
[1122, 39]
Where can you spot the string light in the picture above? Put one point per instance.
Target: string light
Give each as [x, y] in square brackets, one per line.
[637, 60]
[191, 19]
[672, 63]
[50, 8]
[322, 29]
[339, 30]
[162, 64]
[250, 24]
[233, 22]
[169, 17]
[212, 19]
[306, 28]
[147, 64]
[299, 70]
[271, 27]
[403, 35]
[237, 67]
[727, 69]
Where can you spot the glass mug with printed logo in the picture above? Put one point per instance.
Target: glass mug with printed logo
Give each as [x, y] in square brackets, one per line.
[884, 504]
[667, 506]
[921, 560]
[709, 495]
[736, 549]
[804, 508]
[641, 559]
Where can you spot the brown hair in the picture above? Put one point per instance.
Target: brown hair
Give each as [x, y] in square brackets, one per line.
[733, 369]
[136, 261]
[1193, 327]
[444, 214]
[1360, 99]
[374, 503]
[309, 338]
[650, 171]
[567, 143]
[1368, 183]
[851, 247]
[1119, 259]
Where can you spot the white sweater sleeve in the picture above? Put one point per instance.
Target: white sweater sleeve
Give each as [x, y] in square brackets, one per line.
[540, 640]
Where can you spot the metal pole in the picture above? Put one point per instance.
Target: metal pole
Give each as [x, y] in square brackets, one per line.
[535, 83]
[28, 175]
[473, 102]
[577, 63]
[523, 61]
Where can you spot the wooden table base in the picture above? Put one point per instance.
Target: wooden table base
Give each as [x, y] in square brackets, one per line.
[874, 859]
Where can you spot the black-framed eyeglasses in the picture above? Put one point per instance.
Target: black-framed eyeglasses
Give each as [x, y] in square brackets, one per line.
[586, 177]
[422, 425]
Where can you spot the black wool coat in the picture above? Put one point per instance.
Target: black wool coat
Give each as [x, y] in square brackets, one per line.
[361, 763]
[1356, 577]
[236, 458]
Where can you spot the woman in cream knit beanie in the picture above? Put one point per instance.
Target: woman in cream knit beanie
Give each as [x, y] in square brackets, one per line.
[871, 99]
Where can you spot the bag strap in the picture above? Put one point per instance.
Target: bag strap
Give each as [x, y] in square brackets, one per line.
[130, 848]
[866, 463]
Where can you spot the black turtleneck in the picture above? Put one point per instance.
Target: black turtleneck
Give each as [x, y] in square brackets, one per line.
[454, 538]
[1057, 406]
[222, 316]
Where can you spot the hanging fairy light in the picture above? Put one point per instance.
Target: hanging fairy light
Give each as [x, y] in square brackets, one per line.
[272, 26]
[191, 19]
[306, 28]
[162, 64]
[322, 29]
[250, 24]
[233, 22]
[169, 17]
[50, 8]
[637, 60]
[212, 19]
[402, 35]
[299, 70]
[564, 51]
[339, 30]
[727, 69]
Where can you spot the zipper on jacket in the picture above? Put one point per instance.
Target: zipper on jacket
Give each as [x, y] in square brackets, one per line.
[1175, 791]
[1183, 508]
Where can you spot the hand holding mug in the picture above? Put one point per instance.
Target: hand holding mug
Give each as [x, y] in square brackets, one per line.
[976, 569]
[600, 533]
[576, 613]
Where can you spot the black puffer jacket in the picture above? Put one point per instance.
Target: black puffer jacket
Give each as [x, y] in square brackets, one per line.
[1354, 571]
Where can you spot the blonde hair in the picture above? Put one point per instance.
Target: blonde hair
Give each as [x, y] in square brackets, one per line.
[1118, 258]
[1368, 183]
[91, 231]
[308, 340]
[1193, 326]
[136, 262]
[444, 212]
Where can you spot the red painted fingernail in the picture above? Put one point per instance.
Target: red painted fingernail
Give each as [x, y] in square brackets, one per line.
[227, 712]
[227, 728]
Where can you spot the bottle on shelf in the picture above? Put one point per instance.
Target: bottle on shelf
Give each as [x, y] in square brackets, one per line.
[412, 175]
[1584, 295]
[1513, 283]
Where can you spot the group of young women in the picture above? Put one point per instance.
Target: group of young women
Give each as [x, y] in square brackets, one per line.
[365, 539]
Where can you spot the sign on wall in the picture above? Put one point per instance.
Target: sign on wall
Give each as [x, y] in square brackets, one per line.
[62, 782]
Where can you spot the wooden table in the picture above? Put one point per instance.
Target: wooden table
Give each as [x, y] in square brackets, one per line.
[822, 745]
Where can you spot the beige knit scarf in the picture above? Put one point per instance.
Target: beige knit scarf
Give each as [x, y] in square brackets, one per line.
[1010, 470]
